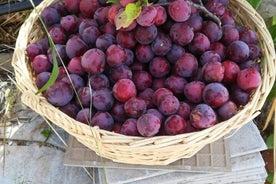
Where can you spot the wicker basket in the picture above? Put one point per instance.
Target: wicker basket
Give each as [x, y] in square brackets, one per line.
[160, 150]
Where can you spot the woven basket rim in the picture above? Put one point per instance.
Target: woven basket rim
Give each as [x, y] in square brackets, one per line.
[112, 145]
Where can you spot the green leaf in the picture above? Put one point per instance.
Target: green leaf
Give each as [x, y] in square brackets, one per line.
[270, 141]
[272, 93]
[146, 2]
[273, 21]
[113, 1]
[131, 12]
[46, 133]
[270, 177]
[255, 3]
[55, 69]
[272, 31]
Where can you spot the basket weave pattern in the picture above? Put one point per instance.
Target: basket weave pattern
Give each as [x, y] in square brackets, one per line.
[160, 150]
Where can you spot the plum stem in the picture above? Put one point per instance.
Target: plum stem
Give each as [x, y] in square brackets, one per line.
[200, 7]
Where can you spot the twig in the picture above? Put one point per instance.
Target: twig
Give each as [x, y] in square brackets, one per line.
[200, 7]
[269, 116]
[33, 141]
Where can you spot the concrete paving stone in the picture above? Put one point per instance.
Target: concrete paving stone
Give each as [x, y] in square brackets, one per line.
[243, 165]
[205, 178]
[31, 131]
[38, 165]
[124, 176]
[248, 161]
[213, 157]
[246, 140]
[267, 9]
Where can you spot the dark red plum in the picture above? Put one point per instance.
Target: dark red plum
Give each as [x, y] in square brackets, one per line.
[231, 70]
[75, 47]
[174, 125]
[73, 6]
[143, 53]
[102, 99]
[135, 107]
[59, 94]
[118, 112]
[249, 79]
[203, 116]
[93, 61]
[227, 110]
[84, 116]
[168, 105]
[158, 83]
[98, 81]
[71, 109]
[75, 81]
[161, 45]
[41, 63]
[129, 127]
[215, 95]
[104, 41]
[74, 66]
[248, 36]
[121, 72]
[238, 51]
[195, 21]
[88, 7]
[147, 95]
[230, 34]
[175, 53]
[147, 15]
[159, 67]
[176, 84]
[58, 34]
[115, 55]
[42, 78]
[145, 35]
[142, 80]
[90, 35]
[239, 96]
[209, 56]
[159, 93]
[212, 31]
[124, 89]
[84, 96]
[69, 23]
[161, 15]
[148, 125]
[193, 91]
[33, 50]
[126, 39]
[184, 110]
[50, 16]
[103, 120]
[181, 33]
[186, 65]
[175, 14]
[213, 71]
[155, 112]
[199, 44]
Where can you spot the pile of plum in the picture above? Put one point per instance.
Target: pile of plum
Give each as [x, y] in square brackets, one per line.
[180, 66]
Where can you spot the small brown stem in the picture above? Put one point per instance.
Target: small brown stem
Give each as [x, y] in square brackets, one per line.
[206, 12]
[200, 7]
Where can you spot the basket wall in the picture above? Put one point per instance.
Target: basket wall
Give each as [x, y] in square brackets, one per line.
[160, 150]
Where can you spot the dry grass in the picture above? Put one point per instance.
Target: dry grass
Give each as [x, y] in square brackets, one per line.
[9, 27]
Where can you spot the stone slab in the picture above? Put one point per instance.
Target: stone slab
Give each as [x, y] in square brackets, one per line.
[31, 131]
[213, 157]
[38, 165]
[246, 140]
